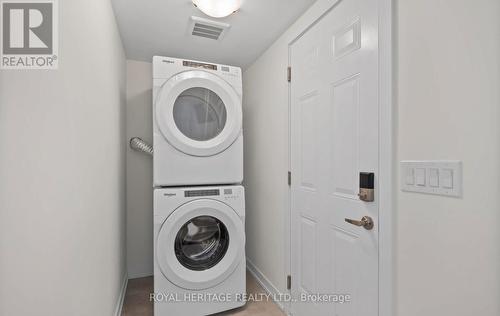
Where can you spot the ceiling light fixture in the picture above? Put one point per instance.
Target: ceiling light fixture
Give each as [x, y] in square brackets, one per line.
[217, 8]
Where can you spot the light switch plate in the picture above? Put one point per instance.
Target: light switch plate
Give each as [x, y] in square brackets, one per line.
[440, 177]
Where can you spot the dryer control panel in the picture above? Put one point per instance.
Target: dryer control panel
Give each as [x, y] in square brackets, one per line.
[195, 64]
[165, 67]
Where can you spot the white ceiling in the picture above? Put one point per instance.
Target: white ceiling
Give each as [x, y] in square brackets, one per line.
[160, 27]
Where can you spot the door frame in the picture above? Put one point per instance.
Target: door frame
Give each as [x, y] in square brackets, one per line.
[386, 177]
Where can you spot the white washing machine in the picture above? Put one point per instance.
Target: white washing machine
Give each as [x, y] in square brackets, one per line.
[199, 249]
[197, 123]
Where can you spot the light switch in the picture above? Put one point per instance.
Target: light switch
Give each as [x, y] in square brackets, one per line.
[438, 177]
[420, 175]
[410, 176]
[447, 178]
[434, 177]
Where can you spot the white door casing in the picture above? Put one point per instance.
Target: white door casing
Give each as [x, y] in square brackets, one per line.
[164, 110]
[335, 136]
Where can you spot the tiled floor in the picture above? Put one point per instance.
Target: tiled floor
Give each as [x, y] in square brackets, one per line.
[137, 300]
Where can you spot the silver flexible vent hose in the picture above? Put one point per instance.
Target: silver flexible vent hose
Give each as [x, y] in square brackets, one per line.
[138, 144]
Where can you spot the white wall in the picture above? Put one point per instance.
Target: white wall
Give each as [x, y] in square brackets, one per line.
[265, 125]
[448, 107]
[139, 171]
[62, 173]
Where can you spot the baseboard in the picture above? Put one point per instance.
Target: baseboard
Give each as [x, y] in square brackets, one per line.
[121, 298]
[144, 274]
[266, 284]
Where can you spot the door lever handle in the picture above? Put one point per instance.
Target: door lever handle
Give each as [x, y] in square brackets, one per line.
[366, 222]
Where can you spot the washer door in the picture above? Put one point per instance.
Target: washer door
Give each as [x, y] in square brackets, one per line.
[200, 244]
[198, 113]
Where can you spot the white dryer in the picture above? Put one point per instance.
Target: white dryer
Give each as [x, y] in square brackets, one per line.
[199, 249]
[197, 123]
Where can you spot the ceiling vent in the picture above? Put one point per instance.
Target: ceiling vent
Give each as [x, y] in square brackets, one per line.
[208, 28]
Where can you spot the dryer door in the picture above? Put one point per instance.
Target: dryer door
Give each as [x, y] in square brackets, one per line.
[200, 244]
[198, 113]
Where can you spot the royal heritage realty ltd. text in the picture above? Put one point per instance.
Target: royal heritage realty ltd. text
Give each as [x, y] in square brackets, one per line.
[253, 297]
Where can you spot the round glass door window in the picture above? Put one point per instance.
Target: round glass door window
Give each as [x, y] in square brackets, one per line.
[199, 114]
[201, 243]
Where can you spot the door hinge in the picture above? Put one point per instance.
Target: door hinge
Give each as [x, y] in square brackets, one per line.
[289, 282]
[289, 178]
[289, 74]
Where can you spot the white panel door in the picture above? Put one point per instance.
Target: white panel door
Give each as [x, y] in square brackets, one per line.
[334, 137]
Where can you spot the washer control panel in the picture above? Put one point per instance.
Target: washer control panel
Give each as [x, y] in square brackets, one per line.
[231, 194]
[226, 193]
[203, 192]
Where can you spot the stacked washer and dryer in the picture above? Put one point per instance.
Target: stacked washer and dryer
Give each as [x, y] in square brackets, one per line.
[199, 203]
